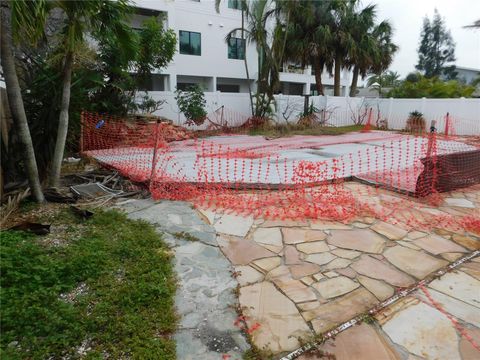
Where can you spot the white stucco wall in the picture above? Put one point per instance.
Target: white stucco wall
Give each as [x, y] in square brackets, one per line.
[200, 16]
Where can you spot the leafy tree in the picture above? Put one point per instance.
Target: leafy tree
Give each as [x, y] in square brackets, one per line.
[431, 88]
[152, 48]
[436, 53]
[155, 49]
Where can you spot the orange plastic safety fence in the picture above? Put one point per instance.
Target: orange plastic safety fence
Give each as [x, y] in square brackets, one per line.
[297, 177]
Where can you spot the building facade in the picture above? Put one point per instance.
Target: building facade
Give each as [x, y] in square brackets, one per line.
[204, 57]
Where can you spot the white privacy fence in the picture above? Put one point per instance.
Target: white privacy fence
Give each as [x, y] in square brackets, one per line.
[234, 109]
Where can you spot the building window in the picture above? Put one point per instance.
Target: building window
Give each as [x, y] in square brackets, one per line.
[236, 48]
[228, 88]
[185, 86]
[190, 43]
[235, 4]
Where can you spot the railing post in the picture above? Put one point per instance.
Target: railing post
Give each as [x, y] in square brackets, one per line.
[447, 123]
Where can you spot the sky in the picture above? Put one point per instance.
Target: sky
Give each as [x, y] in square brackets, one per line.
[406, 16]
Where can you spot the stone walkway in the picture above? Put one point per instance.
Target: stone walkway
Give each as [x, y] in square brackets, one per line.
[205, 298]
[301, 278]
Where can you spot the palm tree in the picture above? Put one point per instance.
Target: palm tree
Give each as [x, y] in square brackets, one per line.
[80, 18]
[365, 52]
[474, 25]
[376, 53]
[270, 46]
[308, 34]
[385, 79]
[342, 40]
[20, 10]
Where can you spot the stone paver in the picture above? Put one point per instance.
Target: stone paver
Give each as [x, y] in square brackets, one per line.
[390, 231]
[424, 332]
[338, 264]
[347, 254]
[268, 236]
[296, 235]
[379, 270]
[415, 263]
[292, 256]
[280, 322]
[313, 247]
[302, 270]
[248, 275]
[234, 225]
[320, 259]
[467, 350]
[267, 264]
[341, 309]
[459, 285]
[466, 241]
[472, 269]
[435, 245]
[361, 240]
[362, 342]
[241, 251]
[381, 290]
[296, 290]
[464, 203]
[334, 287]
[458, 308]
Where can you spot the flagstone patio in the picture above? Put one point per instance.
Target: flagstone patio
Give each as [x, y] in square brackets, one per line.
[298, 278]
[415, 328]
[295, 279]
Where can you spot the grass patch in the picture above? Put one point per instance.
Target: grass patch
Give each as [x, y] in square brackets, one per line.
[291, 130]
[107, 292]
[185, 236]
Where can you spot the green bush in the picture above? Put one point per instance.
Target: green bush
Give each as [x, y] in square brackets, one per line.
[191, 103]
[418, 86]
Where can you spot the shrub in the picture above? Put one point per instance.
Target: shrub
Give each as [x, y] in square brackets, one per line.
[192, 104]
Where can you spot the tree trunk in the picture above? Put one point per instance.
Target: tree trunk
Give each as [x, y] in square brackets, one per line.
[336, 76]
[353, 87]
[318, 68]
[62, 121]
[15, 102]
[247, 73]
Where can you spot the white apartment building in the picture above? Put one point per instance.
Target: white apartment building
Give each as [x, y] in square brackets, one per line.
[204, 57]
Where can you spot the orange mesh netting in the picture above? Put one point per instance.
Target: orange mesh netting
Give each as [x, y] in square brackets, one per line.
[296, 177]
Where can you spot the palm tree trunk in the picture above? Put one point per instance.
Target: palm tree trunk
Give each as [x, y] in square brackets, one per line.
[62, 121]
[336, 76]
[15, 102]
[247, 73]
[353, 87]
[318, 68]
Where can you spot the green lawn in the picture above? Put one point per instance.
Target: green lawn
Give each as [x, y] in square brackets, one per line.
[119, 284]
